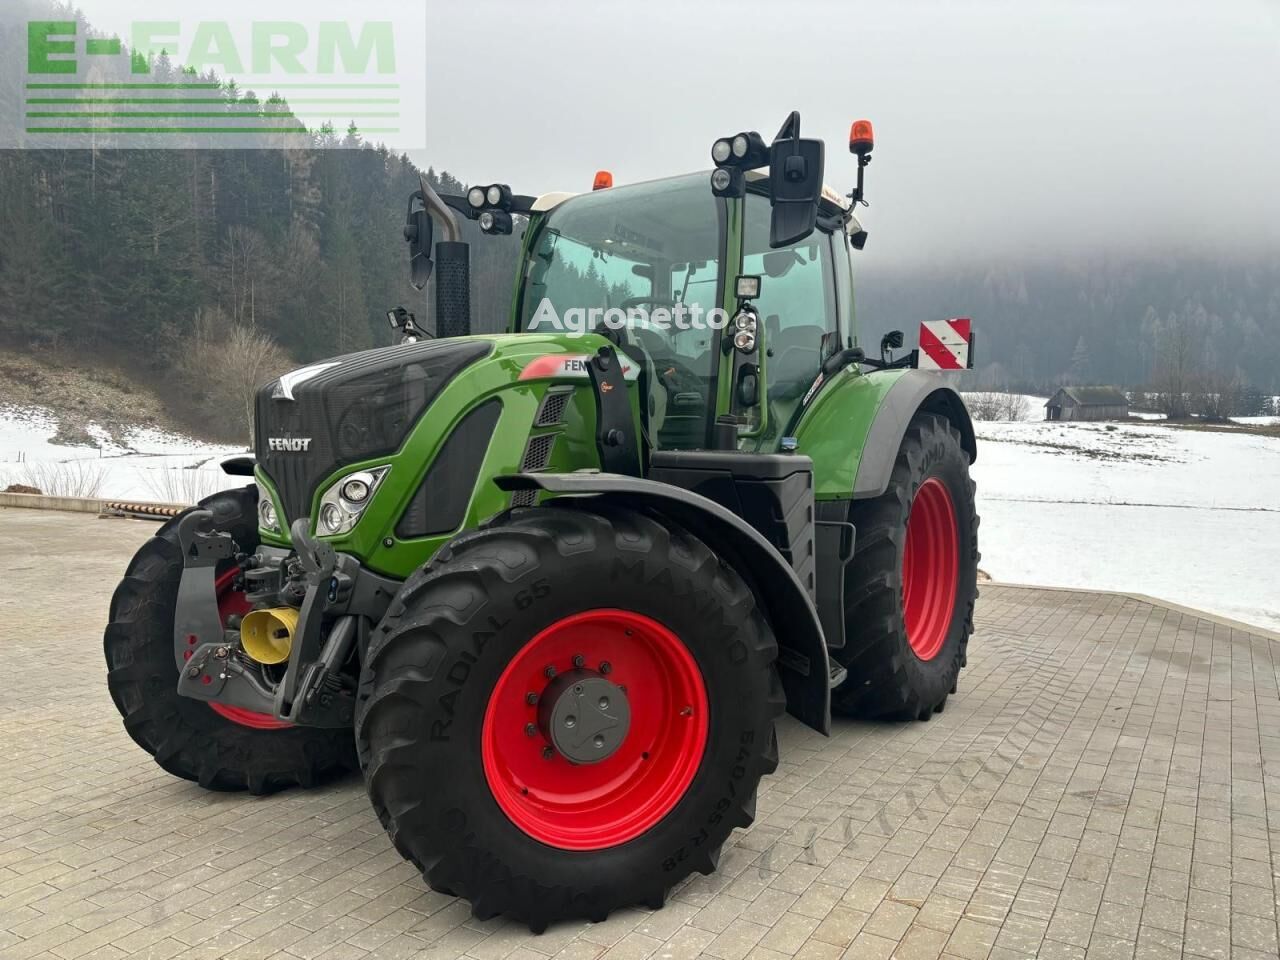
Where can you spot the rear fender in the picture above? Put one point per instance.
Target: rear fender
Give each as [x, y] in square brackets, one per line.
[915, 391]
[802, 652]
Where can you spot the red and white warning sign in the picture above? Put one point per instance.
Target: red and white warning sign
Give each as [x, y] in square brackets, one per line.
[944, 344]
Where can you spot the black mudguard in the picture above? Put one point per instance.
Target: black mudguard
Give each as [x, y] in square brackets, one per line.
[802, 652]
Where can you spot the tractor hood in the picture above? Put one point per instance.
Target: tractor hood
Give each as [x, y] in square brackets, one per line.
[321, 417]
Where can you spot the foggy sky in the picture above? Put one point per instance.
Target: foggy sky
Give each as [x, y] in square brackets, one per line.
[1022, 127]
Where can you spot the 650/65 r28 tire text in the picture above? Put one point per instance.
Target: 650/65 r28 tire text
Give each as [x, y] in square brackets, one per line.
[568, 711]
[222, 748]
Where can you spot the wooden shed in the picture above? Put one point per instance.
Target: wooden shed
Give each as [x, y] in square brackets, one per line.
[1087, 403]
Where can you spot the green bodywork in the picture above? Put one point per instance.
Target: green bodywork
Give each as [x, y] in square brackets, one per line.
[832, 429]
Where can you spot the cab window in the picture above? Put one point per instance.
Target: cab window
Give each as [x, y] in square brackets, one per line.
[797, 306]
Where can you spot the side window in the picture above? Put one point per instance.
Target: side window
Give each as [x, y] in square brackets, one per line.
[796, 303]
[844, 286]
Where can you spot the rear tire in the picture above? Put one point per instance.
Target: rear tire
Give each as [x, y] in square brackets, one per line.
[893, 671]
[189, 738]
[448, 736]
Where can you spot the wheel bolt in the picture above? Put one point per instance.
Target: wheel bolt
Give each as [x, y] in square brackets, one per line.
[571, 721]
[531, 698]
[549, 672]
[606, 667]
[548, 753]
[579, 660]
[530, 730]
[604, 703]
[599, 742]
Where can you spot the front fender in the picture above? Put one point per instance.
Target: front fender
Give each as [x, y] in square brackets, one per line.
[802, 651]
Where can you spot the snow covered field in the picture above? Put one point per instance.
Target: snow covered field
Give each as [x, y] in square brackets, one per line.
[143, 465]
[1189, 516]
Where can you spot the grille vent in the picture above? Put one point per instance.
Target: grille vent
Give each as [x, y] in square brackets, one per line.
[551, 412]
[536, 457]
[538, 454]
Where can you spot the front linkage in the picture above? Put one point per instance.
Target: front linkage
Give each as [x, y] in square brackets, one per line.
[307, 588]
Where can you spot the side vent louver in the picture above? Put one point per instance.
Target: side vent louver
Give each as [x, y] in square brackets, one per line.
[440, 504]
[552, 410]
[536, 457]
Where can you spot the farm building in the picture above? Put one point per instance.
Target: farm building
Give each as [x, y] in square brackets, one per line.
[1087, 403]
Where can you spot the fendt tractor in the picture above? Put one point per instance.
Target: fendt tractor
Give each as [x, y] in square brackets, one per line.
[551, 589]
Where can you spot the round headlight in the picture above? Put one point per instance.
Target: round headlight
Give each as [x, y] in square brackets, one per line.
[740, 146]
[486, 221]
[475, 196]
[720, 179]
[331, 518]
[745, 321]
[356, 490]
[267, 514]
[720, 151]
[745, 340]
[495, 195]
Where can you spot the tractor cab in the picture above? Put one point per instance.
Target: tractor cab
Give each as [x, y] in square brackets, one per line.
[729, 294]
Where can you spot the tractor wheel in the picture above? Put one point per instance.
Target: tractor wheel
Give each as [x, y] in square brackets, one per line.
[219, 747]
[568, 711]
[913, 581]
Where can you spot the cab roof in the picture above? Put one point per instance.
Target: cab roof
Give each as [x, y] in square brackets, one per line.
[549, 201]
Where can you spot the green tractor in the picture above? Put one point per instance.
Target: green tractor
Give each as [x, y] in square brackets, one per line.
[550, 590]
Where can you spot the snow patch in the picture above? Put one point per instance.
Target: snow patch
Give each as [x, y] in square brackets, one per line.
[145, 464]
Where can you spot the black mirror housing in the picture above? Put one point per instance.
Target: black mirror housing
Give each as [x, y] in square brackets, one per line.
[796, 169]
[418, 232]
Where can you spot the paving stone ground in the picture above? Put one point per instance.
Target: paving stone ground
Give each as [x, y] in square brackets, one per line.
[1105, 785]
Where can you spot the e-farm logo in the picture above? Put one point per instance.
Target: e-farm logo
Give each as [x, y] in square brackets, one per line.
[285, 81]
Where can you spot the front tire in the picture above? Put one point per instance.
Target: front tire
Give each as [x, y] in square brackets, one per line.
[455, 725]
[221, 748]
[911, 586]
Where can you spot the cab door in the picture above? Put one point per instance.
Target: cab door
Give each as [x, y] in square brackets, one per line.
[799, 310]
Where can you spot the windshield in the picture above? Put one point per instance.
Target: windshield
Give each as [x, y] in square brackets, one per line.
[651, 250]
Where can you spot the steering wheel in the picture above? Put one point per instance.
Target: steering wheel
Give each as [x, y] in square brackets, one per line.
[636, 301]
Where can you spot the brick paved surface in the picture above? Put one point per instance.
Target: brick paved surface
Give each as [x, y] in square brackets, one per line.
[1106, 784]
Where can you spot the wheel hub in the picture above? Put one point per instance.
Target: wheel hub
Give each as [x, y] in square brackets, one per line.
[584, 716]
[616, 769]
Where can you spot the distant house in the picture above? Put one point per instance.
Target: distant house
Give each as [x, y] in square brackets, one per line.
[1087, 403]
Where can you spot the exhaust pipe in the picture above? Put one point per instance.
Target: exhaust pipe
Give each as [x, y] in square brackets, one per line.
[267, 635]
[453, 269]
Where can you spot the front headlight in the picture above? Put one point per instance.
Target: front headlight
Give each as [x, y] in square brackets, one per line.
[268, 517]
[344, 501]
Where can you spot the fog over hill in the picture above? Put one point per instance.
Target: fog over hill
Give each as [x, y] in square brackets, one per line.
[1091, 182]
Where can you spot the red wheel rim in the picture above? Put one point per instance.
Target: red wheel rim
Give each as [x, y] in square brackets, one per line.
[596, 805]
[232, 602]
[930, 568]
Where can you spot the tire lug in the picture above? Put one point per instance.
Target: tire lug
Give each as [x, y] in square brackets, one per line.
[548, 753]
[549, 672]
[531, 698]
[579, 660]
[530, 730]
[606, 667]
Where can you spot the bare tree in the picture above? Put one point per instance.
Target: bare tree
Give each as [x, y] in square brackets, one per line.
[231, 369]
[998, 406]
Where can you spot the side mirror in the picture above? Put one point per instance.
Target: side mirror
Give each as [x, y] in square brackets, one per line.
[795, 184]
[418, 233]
